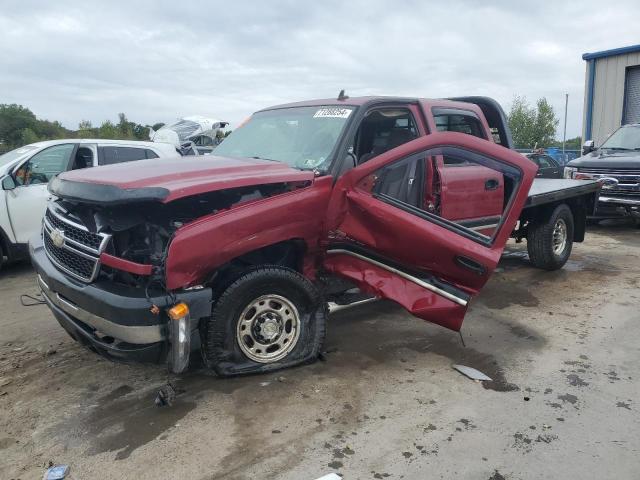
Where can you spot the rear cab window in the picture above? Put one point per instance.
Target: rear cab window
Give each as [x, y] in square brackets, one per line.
[457, 120]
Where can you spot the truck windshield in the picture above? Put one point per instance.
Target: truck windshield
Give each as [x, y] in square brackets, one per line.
[625, 138]
[302, 137]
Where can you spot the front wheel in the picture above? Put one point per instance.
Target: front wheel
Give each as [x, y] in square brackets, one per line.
[549, 242]
[269, 318]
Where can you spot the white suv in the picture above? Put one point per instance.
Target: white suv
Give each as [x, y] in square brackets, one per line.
[25, 172]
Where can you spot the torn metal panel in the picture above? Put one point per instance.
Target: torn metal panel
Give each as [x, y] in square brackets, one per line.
[417, 300]
[198, 248]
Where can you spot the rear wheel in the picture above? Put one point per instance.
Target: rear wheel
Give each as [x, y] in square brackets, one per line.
[549, 241]
[267, 319]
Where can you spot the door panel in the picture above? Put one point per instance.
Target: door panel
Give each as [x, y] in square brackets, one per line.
[411, 255]
[470, 192]
[28, 201]
[26, 206]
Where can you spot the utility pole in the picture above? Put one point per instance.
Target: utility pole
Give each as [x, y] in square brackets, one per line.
[564, 135]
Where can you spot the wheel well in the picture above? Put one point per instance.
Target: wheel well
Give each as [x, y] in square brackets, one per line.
[578, 206]
[289, 253]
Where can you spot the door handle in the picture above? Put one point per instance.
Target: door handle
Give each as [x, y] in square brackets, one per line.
[471, 264]
[491, 184]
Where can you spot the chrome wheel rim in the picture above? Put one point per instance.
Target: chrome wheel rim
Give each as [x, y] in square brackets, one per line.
[268, 329]
[559, 236]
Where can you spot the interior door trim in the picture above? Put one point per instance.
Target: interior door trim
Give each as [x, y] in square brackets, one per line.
[418, 281]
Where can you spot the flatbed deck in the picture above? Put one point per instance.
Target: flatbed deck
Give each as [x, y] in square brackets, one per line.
[547, 190]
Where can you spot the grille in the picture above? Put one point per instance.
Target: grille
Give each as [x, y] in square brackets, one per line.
[611, 172]
[91, 240]
[628, 181]
[78, 251]
[70, 261]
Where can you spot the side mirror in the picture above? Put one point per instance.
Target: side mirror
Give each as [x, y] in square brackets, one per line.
[588, 147]
[348, 162]
[8, 183]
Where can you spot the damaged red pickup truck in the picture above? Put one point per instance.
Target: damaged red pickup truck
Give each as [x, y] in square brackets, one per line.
[411, 200]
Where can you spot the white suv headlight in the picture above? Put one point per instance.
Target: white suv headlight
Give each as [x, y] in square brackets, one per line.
[569, 171]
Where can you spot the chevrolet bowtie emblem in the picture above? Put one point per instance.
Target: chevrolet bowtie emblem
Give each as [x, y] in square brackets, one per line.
[57, 237]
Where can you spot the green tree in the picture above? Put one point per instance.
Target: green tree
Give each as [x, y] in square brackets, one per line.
[532, 127]
[13, 120]
[28, 136]
[86, 130]
[141, 132]
[546, 123]
[108, 130]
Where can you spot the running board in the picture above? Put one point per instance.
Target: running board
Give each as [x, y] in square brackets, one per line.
[334, 307]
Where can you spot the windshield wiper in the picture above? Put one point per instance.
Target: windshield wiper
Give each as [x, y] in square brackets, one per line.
[618, 148]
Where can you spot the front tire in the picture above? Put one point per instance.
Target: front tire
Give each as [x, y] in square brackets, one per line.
[267, 319]
[549, 242]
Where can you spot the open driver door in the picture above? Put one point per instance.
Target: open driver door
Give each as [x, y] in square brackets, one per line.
[381, 236]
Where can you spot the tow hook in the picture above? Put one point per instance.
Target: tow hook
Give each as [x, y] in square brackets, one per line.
[179, 337]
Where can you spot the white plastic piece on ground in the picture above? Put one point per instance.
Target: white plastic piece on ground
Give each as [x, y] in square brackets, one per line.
[472, 373]
[57, 472]
[331, 476]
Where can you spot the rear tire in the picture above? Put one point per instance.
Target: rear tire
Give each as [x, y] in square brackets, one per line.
[269, 318]
[2, 261]
[549, 242]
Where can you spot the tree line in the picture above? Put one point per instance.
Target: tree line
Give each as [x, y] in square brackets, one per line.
[531, 127]
[20, 126]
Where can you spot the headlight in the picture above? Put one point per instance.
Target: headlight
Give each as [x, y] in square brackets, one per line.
[569, 171]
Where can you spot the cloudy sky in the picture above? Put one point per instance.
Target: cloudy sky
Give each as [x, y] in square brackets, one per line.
[158, 60]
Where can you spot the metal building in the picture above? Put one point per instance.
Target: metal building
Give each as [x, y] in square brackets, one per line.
[612, 91]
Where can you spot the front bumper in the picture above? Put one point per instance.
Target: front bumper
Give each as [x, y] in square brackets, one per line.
[114, 320]
[614, 207]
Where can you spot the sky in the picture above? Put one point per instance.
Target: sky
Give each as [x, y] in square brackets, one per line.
[158, 60]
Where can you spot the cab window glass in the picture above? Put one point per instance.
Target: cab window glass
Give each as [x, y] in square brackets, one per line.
[545, 162]
[111, 155]
[471, 200]
[45, 165]
[448, 120]
[383, 129]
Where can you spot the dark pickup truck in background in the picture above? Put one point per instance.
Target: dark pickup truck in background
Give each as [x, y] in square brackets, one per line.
[616, 165]
[407, 199]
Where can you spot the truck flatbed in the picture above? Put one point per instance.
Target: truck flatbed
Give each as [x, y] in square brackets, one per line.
[548, 190]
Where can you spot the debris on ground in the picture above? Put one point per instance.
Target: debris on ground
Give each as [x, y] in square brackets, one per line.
[472, 373]
[57, 472]
[166, 396]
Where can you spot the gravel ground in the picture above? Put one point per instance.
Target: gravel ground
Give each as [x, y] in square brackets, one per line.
[562, 348]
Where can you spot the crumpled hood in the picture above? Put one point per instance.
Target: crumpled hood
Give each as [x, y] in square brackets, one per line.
[617, 160]
[167, 179]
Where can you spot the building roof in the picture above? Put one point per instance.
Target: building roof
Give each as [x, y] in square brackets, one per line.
[612, 52]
